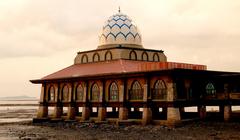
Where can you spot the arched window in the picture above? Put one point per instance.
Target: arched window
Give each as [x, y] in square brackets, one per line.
[65, 93]
[79, 92]
[108, 55]
[84, 59]
[95, 92]
[144, 56]
[210, 89]
[160, 90]
[136, 92]
[113, 92]
[156, 57]
[96, 57]
[133, 55]
[51, 93]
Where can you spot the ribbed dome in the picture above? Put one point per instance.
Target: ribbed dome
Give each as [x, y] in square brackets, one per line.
[119, 29]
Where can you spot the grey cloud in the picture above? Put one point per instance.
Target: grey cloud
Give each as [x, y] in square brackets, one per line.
[192, 31]
[41, 28]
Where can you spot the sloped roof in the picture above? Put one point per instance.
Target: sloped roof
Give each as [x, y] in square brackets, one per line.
[116, 67]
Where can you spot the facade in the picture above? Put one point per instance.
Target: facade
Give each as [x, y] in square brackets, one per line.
[122, 82]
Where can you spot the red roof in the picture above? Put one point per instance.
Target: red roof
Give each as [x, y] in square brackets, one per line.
[117, 67]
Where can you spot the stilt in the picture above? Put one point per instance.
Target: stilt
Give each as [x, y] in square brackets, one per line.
[71, 113]
[86, 113]
[42, 111]
[173, 116]
[58, 111]
[146, 116]
[123, 113]
[101, 113]
[202, 112]
[227, 113]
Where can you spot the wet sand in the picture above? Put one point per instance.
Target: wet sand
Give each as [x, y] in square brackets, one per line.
[25, 130]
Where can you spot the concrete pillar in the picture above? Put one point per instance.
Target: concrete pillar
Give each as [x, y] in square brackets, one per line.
[58, 111]
[173, 115]
[42, 111]
[102, 113]
[71, 113]
[123, 113]
[202, 112]
[227, 112]
[43, 95]
[86, 113]
[146, 116]
[43, 108]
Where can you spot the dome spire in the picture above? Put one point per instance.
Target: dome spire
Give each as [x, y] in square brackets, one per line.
[119, 30]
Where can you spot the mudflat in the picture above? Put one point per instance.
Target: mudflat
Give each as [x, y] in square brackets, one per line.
[17, 124]
[90, 131]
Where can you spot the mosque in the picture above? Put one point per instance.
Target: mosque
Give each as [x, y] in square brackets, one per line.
[123, 82]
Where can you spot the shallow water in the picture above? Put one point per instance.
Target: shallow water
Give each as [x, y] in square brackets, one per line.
[19, 102]
[9, 108]
[8, 120]
[11, 114]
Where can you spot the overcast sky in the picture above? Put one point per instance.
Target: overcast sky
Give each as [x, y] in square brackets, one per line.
[39, 37]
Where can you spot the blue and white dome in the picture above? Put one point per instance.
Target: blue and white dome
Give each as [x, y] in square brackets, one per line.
[119, 29]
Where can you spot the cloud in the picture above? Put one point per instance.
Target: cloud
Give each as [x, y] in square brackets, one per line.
[42, 36]
[42, 28]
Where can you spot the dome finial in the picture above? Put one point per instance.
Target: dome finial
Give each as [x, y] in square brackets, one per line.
[119, 9]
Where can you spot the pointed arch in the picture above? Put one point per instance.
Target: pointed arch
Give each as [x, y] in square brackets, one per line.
[79, 92]
[84, 59]
[156, 57]
[136, 92]
[51, 93]
[159, 90]
[95, 92]
[108, 55]
[133, 55]
[65, 93]
[96, 57]
[113, 92]
[144, 56]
